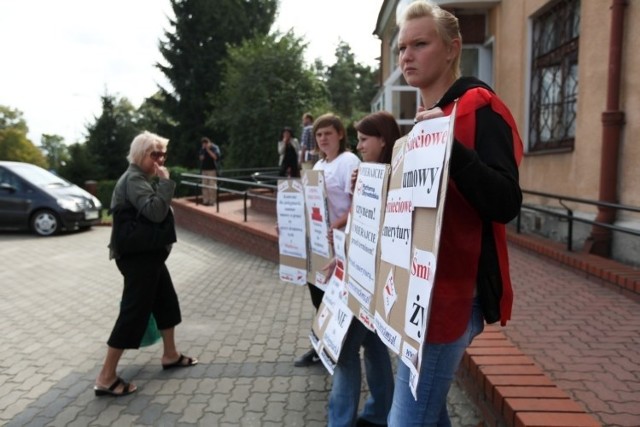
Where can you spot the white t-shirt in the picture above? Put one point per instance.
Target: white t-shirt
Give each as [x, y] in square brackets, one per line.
[337, 175]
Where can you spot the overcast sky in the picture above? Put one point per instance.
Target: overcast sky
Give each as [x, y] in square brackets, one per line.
[60, 56]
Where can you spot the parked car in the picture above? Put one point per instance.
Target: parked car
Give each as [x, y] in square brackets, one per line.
[36, 199]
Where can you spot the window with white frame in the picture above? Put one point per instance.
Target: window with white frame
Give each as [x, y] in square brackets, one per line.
[554, 77]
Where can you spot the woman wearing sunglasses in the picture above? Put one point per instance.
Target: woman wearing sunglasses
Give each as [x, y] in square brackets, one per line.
[148, 288]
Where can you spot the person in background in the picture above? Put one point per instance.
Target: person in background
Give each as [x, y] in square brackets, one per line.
[338, 164]
[377, 133]
[288, 149]
[209, 156]
[472, 282]
[308, 152]
[147, 283]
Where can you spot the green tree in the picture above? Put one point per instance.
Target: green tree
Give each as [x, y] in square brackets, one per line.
[10, 118]
[80, 167]
[109, 137]
[55, 150]
[266, 87]
[150, 117]
[201, 34]
[351, 85]
[14, 144]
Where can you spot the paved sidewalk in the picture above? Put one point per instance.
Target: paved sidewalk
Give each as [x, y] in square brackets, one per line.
[584, 335]
[58, 301]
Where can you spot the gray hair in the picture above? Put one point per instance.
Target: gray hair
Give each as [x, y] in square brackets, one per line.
[143, 144]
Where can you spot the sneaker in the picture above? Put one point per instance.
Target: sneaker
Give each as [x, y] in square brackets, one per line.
[307, 359]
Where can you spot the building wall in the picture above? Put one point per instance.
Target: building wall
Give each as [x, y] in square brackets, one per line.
[630, 102]
[575, 173]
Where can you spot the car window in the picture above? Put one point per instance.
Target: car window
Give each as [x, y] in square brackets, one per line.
[39, 177]
[11, 179]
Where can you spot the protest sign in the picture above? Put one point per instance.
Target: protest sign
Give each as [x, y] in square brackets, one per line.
[317, 220]
[292, 235]
[363, 239]
[410, 238]
[333, 317]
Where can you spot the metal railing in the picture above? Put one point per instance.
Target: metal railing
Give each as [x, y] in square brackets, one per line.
[246, 182]
[569, 216]
[262, 178]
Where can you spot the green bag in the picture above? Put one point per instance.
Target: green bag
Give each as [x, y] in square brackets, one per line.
[152, 334]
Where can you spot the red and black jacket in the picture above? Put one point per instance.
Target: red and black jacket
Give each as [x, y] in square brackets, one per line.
[483, 195]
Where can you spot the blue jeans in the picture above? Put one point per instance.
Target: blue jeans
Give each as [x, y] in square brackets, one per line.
[347, 377]
[439, 365]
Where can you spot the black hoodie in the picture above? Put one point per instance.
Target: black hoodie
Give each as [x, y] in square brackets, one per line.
[492, 165]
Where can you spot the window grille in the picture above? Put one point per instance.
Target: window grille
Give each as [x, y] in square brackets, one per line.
[554, 77]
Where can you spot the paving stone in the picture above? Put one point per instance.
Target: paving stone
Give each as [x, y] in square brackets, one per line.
[69, 414]
[81, 421]
[22, 418]
[10, 399]
[192, 413]
[233, 412]
[225, 385]
[177, 404]
[251, 419]
[256, 402]
[296, 401]
[261, 385]
[150, 414]
[39, 421]
[240, 393]
[209, 419]
[274, 411]
[218, 403]
[170, 387]
[109, 415]
[278, 397]
[189, 386]
[126, 420]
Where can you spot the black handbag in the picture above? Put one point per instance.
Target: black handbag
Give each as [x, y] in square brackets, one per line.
[134, 233]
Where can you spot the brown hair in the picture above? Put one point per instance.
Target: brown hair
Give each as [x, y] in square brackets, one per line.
[327, 120]
[383, 125]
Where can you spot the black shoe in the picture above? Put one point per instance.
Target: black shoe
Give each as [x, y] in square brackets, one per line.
[361, 422]
[307, 359]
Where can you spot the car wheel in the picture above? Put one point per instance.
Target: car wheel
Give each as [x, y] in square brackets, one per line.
[45, 223]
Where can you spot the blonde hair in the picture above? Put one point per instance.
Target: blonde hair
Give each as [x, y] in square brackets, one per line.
[447, 26]
[144, 143]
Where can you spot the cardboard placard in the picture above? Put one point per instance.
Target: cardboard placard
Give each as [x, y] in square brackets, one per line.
[365, 223]
[333, 318]
[410, 238]
[292, 232]
[317, 219]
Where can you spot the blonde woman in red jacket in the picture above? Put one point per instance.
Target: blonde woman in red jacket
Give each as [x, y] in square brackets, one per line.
[472, 284]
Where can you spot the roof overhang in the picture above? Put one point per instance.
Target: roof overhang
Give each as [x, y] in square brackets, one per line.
[389, 6]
